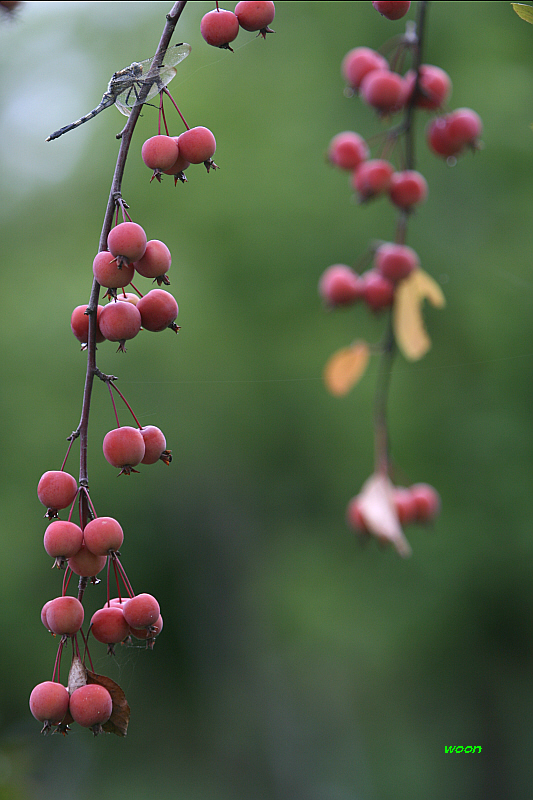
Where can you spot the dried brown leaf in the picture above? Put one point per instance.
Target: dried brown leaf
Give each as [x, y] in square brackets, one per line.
[345, 368]
[409, 329]
[120, 716]
[376, 505]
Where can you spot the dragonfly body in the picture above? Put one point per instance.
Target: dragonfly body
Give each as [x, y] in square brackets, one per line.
[125, 85]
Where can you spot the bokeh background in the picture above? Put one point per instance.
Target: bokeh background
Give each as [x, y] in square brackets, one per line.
[293, 663]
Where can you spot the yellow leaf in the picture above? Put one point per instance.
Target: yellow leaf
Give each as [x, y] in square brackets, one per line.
[345, 367]
[409, 329]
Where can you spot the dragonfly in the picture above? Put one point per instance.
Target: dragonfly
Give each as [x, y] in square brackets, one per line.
[125, 85]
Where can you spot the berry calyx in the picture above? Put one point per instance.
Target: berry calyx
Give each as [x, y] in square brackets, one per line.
[372, 178]
[392, 9]
[255, 16]
[127, 241]
[124, 447]
[197, 145]
[339, 285]
[90, 705]
[64, 615]
[103, 535]
[158, 310]
[56, 489]
[359, 62]
[347, 150]
[219, 27]
[407, 188]
[160, 152]
[395, 261]
[49, 703]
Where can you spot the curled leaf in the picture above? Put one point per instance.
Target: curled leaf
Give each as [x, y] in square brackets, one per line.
[120, 716]
[345, 368]
[409, 329]
[524, 11]
[376, 505]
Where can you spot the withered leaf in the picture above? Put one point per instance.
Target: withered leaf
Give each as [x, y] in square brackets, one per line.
[120, 716]
[409, 329]
[376, 505]
[346, 367]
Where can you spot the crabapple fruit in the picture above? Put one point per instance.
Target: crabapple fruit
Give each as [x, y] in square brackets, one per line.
[383, 90]
[464, 127]
[64, 615]
[124, 447]
[129, 297]
[109, 274]
[156, 260]
[404, 504]
[44, 611]
[197, 144]
[347, 150]
[179, 165]
[160, 152]
[86, 564]
[359, 62]
[255, 16]
[102, 535]
[120, 322]
[127, 240]
[395, 261]
[62, 539]
[438, 138]
[49, 702]
[219, 27]
[339, 285]
[57, 489]
[433, 90]
[79, 323]
[90, 705]
[372, 178]
[426, 500]
[141, 611]
[158, 309]
[154, 442]
[392, 9]
[378, 291]
[148, 633]
[407, 188]
[108, 625]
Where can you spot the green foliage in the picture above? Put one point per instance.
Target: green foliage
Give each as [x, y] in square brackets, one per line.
[524, 11]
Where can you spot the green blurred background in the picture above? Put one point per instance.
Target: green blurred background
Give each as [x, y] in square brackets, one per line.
[293, 663]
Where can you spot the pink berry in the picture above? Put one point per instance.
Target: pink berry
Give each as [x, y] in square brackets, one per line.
[359, 62]
[404, 504]
[108, 625]
[103, 535]
[141, 611]
[120, 322]
[129, 297]
[86, 564]
[255, 16]
[160, 152]
[395, 261]
[79, 323]
[90, 705]
[340, 285]
[383, 90]
[354, 517]
[408, 188]
[197, 144]
[391, 9]
[148, 633]
[62, 539]
[109, 274]
[434, 87]
[49, 702]
[156, 260]
[179, 165]
[158, 309]
[378, 291]
[439, 140]
[154, 442]
[372, 178]
[219, 27]
[464, 127]
[64, 615]
[127, 240]
[124, 447]
[117, 601]
[347, 150]
[57, 489]
[426, 500]
[44, 612]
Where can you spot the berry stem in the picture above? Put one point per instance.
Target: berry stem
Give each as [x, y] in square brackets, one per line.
[165, 90]
[111, 384]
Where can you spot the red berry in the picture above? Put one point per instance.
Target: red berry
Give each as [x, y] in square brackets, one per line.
[383, 90]
[79, 323]
[426, 500]
[156, 260]
[57, 489]
[120, 322]
[49, 702]
[372, 178]
[124, 447]
[44, 611]
[407, 188]
[434, 87]
[197, 144]
[347, 150]
[148, 633]
[391, 9]
[354, 517]
[255, 16]
[179, 165]
[340, 285]
[62, 539]
[108, 273]
[158, 309]
[219, 27]
[108, 625]
[395, 261]
[127, 240]
[464, 127]
[378, 291]
[359, 62]
[438, 138]
[90, 705]
[86, 564]
[154, 442]
[141, 611]
[404, 504]
[160, 152]
[64, 615]
[103, 535]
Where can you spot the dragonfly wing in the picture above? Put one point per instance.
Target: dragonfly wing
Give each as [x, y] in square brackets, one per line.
[126, 101]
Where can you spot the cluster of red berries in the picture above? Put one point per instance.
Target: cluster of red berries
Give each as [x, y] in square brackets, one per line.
[220, 27]
[172, 155]
[419, 503]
